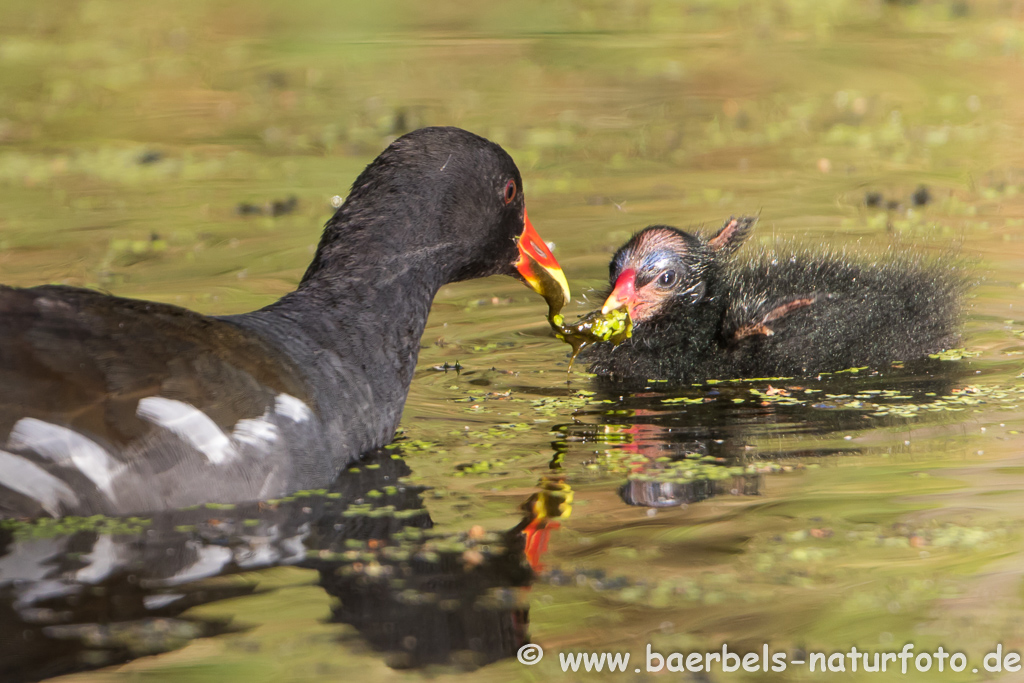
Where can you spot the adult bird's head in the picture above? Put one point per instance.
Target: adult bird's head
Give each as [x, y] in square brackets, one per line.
[446, 203]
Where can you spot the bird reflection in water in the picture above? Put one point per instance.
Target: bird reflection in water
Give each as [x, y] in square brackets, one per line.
[683, 445]
[552, 502]
[86, 593]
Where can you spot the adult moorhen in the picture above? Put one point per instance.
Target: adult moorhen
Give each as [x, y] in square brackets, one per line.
[115, 406]
[699, 314]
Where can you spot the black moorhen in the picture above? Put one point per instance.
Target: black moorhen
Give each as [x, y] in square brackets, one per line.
[698, 314]
[116, 406]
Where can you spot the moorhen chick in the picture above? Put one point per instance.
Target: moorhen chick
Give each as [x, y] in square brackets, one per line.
[116, 406]
[698, 313]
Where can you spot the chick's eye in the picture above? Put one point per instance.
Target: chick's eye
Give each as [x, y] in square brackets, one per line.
[510, 191]
[667, 279]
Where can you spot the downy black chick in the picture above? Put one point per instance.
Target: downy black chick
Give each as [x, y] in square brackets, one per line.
[700, 313]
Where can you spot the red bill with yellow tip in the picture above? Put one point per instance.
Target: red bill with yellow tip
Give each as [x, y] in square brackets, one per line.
[623, 293]
[540, 269]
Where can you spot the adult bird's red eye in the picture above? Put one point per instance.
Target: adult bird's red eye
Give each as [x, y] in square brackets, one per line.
[510, 191]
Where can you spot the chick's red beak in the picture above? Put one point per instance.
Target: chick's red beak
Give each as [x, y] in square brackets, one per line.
[623, 293]
[539, 268]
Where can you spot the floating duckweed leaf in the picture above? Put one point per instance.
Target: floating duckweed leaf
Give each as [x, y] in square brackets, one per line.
[874, 402]
[684, 399]
[954, 354]
[776, 396]
[417, 445]
[483, 466]
[47, 527]
[745, 379]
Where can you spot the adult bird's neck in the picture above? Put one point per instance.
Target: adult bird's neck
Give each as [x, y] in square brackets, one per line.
[353, 328]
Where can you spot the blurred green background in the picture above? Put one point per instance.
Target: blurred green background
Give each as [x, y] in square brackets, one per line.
[122, 123]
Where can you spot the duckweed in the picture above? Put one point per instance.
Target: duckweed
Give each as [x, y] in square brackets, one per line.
[614, 327]
[46, 527]
[954, 354]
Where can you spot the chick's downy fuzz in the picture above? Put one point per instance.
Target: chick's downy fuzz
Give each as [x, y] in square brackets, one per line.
[699, 312]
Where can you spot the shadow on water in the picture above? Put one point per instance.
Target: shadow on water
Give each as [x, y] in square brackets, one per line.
[77, 594]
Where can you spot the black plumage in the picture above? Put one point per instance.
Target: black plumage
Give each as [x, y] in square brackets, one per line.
[700, 313]
[112, 405]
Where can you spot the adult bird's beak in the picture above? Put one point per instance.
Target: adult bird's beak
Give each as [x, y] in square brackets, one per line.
[539, 268]
[623, 293]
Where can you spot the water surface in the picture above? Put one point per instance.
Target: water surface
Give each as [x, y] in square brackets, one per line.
[155, 152]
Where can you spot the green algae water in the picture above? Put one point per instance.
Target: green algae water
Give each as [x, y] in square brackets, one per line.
[189, 153]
